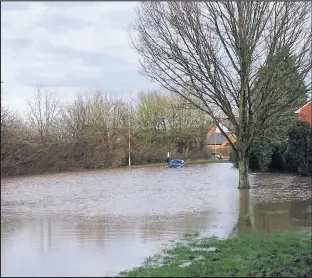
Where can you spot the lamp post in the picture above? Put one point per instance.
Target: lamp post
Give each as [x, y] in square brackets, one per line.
[129, 134]
[129, 144]
[129, 97]
[215, 143]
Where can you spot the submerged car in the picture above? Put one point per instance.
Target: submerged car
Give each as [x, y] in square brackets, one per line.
[176, 163]
[216, 155]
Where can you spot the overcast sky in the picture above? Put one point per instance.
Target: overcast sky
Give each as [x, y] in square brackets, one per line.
[67, 46]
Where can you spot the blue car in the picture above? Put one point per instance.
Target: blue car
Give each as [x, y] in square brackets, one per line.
[176, 163]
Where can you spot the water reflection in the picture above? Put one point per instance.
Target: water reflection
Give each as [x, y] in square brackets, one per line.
[280, 216]
[36, 246]
[280, 201]
[275, 202]
[101, 222]
[244, 221]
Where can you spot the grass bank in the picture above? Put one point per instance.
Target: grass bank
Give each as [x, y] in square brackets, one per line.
[190, 162]
[250, 254]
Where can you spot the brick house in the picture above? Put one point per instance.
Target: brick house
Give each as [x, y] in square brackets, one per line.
[305, 113]
[217, 142]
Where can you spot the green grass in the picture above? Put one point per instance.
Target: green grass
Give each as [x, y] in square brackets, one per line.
[250, 254]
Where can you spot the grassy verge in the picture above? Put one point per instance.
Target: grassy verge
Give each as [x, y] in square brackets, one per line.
[191, 162]
[250, 254]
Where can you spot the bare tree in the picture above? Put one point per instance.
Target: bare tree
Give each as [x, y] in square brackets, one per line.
[9, 120]
[94, 113]
[187, 124]
[211, 53]
[43, 112]
[152, 113]
[74, 118]
[5, 118]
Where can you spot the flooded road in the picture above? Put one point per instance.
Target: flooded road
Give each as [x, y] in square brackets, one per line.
[98, 223]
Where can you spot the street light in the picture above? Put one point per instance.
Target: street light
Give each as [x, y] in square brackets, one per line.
[129, 130]
[129, 135]
[215, 143]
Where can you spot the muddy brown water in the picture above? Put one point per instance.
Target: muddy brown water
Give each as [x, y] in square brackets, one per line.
[98, 223]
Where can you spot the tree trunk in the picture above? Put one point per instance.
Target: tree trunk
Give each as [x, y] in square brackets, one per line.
[243, 173]
[244, 220]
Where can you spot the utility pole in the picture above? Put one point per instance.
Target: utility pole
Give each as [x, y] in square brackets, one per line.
[129, 135]
[130, 97]
[129, 144]
[215, 143]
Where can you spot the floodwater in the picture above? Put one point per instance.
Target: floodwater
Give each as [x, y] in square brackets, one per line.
[98, 223]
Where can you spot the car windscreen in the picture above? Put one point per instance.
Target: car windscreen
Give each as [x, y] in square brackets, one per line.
[176, 161]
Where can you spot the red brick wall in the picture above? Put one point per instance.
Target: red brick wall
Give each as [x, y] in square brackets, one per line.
[225, 151]
[306, 113]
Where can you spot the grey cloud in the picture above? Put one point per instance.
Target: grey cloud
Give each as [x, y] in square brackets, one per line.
[115, 74]
[59, 23]
[16, 44]
[123, 81]
[67, 4]
[99, 60]
[10, 6]
[121, 19]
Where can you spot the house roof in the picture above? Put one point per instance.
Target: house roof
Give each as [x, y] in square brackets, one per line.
[227, 124]
[216, 139]
[298, 111]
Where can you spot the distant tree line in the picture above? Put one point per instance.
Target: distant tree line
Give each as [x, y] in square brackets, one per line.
[93, 132]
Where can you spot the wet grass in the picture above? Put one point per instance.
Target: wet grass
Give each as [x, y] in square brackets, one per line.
[251, 254]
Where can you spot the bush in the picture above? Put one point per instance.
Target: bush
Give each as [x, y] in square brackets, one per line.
[298, 156]
[293, 154]
[253, 161]
[277, 162]
[262, 150]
